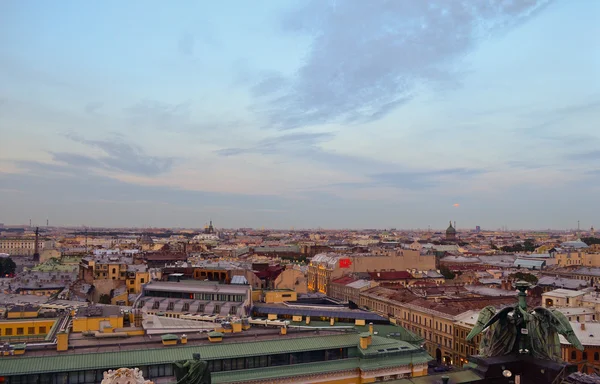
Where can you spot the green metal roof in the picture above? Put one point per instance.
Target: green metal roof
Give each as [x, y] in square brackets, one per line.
[215, 334]
[283, 371]
[69, 361]
[169, 337]
[315, 368]
[418, 357]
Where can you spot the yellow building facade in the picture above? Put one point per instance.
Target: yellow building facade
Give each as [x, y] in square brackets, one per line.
[97, 323]
[279, 296]
[25, 328]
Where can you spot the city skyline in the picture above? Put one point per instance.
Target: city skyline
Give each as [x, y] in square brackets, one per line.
[333, 114]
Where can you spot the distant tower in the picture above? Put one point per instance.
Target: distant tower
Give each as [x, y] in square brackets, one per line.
[592, 231]
[450, 232]
[210, 229]
[36, 251]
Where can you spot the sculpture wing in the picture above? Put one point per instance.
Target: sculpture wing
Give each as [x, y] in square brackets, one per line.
[483, 321]
[561, 325]
[502, 314]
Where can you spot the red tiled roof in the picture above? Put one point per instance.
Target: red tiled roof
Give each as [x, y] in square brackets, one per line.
[344, 280]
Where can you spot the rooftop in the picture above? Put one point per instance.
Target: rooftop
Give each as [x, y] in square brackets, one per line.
[195, 286]
[564, 293]
[143, 357]
[589, 336]
[318, 311]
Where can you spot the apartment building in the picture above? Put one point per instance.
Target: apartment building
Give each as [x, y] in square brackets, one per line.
[325, 267]
[20, 246]
[436, 321]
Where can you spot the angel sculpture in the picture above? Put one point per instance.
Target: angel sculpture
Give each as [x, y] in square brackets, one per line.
[515, 329]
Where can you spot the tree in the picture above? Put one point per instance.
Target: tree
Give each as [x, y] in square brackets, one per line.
[528, 277]
[7, 266]
[104, 299]
[529, 245]
[591, 240]
[447, 273]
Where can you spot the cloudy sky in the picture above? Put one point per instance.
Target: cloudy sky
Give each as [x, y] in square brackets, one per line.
[279, 114]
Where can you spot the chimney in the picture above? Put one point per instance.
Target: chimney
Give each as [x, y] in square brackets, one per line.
[365, 340]
[371, 328]
[36, 251]
[445, 379]
[583, 326]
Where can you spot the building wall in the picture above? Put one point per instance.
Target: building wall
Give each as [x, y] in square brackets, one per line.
[292, 279]
[551, 300]
[279, 296]
[590, 357]
[123, 298]
[22, 315]
[463, 348]
[47, 254]
[20, 246]
[82, 324]
[583, 258]
[25, 327]
[319, 276]
[103, 287]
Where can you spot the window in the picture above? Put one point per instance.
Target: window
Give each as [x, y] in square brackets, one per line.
[142, 280]
[201, 308]
[114, 270]
[31, 330]
[573, 355]
[596, 356]
[233, 310]
[186, 307]
[9, 331]
[170, 306]
[156, 304]
[584, 355]
[217, 309]
[20, 331]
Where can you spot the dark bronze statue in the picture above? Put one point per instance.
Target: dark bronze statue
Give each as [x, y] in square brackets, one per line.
[193, 371]
[515, 329]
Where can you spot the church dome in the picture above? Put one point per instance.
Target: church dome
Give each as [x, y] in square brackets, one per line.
[450, 230]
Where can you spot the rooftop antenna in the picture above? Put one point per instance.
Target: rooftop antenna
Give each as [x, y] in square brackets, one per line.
[29, 223]
[86, 238]
[47, 222]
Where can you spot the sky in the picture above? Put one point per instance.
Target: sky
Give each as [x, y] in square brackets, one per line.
[300, 114]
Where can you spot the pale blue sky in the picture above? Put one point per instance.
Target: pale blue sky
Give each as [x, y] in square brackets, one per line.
[300, 113]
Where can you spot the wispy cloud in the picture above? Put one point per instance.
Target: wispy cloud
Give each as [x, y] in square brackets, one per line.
[362, 73]
[585, 156]
[119, 156]
[281, 144]
[417, 180]
[159, 115]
